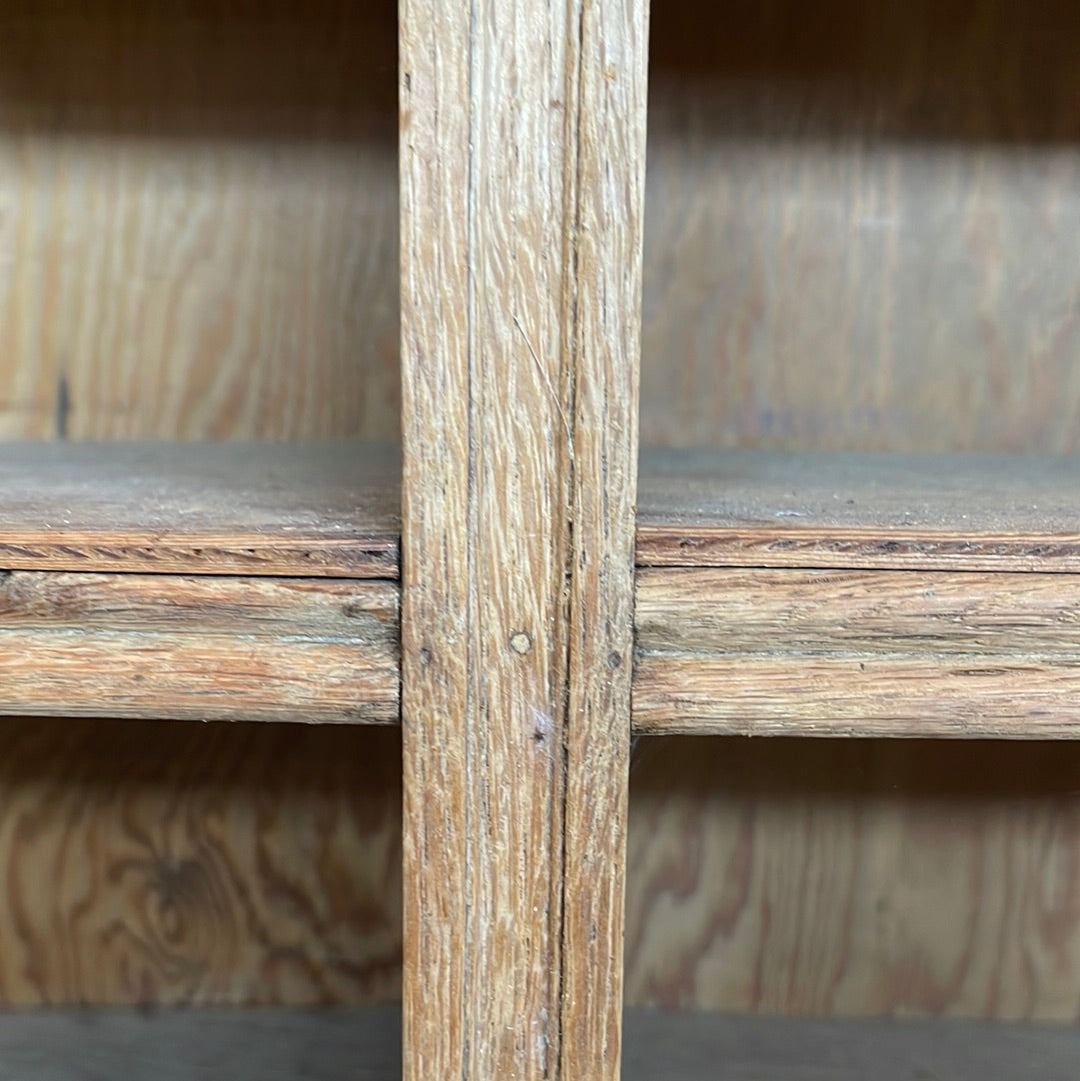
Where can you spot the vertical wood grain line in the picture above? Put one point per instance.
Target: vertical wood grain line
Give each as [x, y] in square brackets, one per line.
[609, 198]
[522, 166]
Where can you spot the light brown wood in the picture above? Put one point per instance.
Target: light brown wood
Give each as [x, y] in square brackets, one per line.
[198, 240]
[857, 239]
[860, 226]
[198, 648]
[194, 864]
[898, 653]
[855, 878]
[769, 509]
[226, 508]
[520, 310]
[199, 231]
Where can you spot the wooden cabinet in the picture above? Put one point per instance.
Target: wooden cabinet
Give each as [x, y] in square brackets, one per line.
[571, 399]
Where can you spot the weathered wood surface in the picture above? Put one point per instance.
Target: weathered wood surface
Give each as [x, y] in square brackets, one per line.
[221, 864]
[198, 236]
[889, 653]
[836, 878]
[775, 509]
[520, 316]
[860, 227]
[198, 648]
[225, 508]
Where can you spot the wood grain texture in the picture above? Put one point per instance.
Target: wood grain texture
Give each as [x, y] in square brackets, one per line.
[889, 653]
[198, 864]
[204, 648]
[860, 226]
[198, 240]
[863, 878]
[255, 508]
[768, 509]
[700, 1047]
[520, 309]
[198, 220]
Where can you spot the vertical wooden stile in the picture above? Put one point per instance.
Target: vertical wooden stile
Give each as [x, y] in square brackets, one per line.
[522, 169]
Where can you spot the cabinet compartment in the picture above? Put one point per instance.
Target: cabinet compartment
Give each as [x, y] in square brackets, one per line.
[860, 402]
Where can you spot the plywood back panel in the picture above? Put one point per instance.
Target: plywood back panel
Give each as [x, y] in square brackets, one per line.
[198, 220]
[198, 864]
[861, 878]
[240, 864]
[861, 225]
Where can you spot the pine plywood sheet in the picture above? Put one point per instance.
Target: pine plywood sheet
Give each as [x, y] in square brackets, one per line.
[860, 228]
[198, 220]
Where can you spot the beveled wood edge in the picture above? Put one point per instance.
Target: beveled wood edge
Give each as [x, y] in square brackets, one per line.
[841, 549]
[299, 556]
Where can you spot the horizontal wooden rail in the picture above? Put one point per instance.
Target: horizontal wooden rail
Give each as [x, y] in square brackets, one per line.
[201, 648]
[868, 653]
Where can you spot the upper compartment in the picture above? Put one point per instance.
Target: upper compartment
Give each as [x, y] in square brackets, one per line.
[861, 226]
[198, 220]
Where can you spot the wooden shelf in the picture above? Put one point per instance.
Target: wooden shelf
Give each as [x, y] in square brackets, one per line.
[702, 1047]
[327, 510]
[365, 1045]
[807, 594]
[866, 595]
[932, 512]
[278, 603]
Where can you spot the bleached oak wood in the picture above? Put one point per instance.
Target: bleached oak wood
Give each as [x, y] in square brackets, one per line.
[885, 653]
[198, 648]
[201, 508]
[522, 166]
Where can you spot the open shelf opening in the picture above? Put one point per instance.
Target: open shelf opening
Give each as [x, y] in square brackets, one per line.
[198, 236]
[860, 410]
[851, 908]
[198, 259]
[860, 227]
[184, 899]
